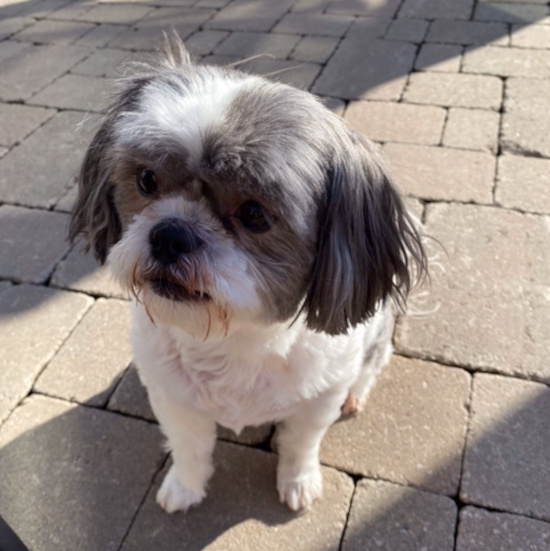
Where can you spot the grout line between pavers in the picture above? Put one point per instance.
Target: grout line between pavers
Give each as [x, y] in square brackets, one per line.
[348, 514]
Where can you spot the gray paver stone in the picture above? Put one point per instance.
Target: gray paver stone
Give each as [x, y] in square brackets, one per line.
[387, 516]
[468, 32]
[412, 429]
[11, 25]
[366, 28]
[125, 14]
[246, 44]
[444, 58]
[204, 42]
[106, 62]
[25, 311]
[18, 121]
[407, 30]
[77, 475]
[472, 129]
[509, 12]
[54, 32]
[437, 9]
[314, 48]
[314, 24]
[506, 460]
[372, 8]
[100, 36]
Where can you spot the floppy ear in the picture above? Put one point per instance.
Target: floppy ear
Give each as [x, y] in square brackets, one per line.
[368, 248]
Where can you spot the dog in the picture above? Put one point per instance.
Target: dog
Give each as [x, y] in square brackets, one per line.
[264, 244]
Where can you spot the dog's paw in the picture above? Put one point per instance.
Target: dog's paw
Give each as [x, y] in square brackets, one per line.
[172, 496]
[299, 492]
[353, 405]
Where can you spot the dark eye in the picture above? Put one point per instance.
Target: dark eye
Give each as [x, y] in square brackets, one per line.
[252, 217]
[146, 181]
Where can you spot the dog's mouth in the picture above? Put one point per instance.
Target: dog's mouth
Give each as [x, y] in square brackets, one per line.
[170, 290]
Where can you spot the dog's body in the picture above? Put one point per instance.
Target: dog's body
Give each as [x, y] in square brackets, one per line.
[263, 241]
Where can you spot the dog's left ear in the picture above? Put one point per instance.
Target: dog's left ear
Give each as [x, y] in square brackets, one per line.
[368, 248]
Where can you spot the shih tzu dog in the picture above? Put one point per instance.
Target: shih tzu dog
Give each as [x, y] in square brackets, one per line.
[263, 242]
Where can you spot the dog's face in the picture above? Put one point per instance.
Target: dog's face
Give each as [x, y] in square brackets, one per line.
[218, 196]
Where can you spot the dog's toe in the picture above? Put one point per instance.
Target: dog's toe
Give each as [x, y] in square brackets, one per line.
[172, 496]
[301, 491]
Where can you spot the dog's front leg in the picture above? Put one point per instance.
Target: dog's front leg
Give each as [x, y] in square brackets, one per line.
[191, 438]
[299, 480]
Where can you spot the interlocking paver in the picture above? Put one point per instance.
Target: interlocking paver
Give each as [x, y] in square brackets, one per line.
[472, 129]
[523, 183]
[387, 516]
[77, 474]
[18, 121]
[12, 25]
[468, 32]
[505, 463]
[24, 312]
[535, 36]
[246, 44]
[493, 531]
[444, 58]
[316, 49]
[54, 32]
[411, 431]
[314, 24]
[115, 13]
[518, 12]
[366, 28]
[101, 35]
[204, 42]
[107, 62]
[436, 9]
[371, 8]
[90, 363]
[247, 477]
[407, 30]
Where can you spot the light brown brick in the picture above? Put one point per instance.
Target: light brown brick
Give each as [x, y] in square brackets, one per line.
[531, 36]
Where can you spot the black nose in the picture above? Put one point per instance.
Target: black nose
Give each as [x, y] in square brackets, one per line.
[172, 238]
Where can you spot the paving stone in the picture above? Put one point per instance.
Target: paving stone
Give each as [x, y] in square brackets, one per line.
[507, 62]
[455, 90]
[18, 121]
[387, 516]
[310, 6]
[26, 346]
[437, 9]
[489, 305]
[40, 170]
[124, 14]
[441, 173]
[444, 58]
[316, 49]
[397, 122]
[526, 117]
[38, 10]
[33, 68]
[100, 36]
[492, 531]
[12, 25]
[412, 430]
[243, 15]
[130, 397]
[511, 13]
[245, 476]
[246, 44]
[468, 33]
[314, 24]
[472, 129]
[210, 3]
[92, 360]
[77, 475]
[54, 32]
[374, 69]
[366, 28]
[204, 42]
[69, 11]
[373, 8]
[506, 460]
[531, 36]
[407, 30]
[106, 62]
[523, 183]
[9, 49]
[75, 92]
[32, 243]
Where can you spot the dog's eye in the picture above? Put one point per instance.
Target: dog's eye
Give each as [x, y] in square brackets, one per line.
[252, 217]
[146, 181]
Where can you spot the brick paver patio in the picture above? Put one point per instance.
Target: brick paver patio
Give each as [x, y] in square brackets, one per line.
[453, 450]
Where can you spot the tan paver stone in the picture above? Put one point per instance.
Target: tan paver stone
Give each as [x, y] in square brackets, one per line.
[489, 305]
[40, 170]
[75, 92]
[18, 121]
[437, 9]
[373, 8]
[455, 90]
[204, 42]
[509, 12]
[92, 360]
[54, 32]
[245, 476]
[444, 58]
[411, 431]
[31, 243]
[316, 49]
[106, 62]
[468, 32]
[77, 474]
[532, 36]
[481, 529]
[472, 129]
[34, 322]
[526, 117]
[507, 62]
[246, 44]
[242, 15]
[314, 24]
[397, 122]
[506, 463]
[442, 173]
[407, 30]
[387, 516]
[29, 70]
[523, 183]
[371, 69]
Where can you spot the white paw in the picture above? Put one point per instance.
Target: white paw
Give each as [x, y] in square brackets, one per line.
[172, 496]
[300, 491]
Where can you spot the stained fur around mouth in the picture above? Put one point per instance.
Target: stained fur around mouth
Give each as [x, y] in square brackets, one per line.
[166, 288]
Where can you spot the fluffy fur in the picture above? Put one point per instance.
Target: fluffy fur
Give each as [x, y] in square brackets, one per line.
[262, 241]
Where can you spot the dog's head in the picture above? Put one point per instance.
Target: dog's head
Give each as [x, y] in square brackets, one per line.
[216, 195]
